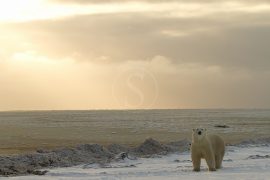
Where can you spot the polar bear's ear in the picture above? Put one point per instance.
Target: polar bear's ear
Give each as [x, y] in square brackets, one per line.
[205, 129]
[193, 130]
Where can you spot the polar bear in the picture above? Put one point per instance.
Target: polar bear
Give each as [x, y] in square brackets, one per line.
[206, 146]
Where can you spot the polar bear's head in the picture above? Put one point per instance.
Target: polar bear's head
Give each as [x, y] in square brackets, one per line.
[198, 134]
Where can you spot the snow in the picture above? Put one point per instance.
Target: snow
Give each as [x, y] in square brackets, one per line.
[247, 162]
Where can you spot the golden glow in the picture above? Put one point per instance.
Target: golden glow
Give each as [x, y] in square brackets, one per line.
[20, 10]
[138, 49]
[31, 57]
[17, 10]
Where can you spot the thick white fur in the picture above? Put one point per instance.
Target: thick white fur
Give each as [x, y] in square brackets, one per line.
[209, 147]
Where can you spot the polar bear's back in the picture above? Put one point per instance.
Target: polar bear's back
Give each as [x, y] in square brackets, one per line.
[217, 143]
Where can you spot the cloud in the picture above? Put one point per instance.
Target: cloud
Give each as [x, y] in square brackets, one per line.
[240, 41]
[111, 1]
[148, 1]
[214, 57]
[34, 81]
[41, 10]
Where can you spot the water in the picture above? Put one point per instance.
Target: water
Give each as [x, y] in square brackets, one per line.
[24, 131]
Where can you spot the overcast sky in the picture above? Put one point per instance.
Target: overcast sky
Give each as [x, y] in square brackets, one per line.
[112, 54]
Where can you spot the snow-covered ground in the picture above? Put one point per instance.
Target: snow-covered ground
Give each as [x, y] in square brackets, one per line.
[249, 162]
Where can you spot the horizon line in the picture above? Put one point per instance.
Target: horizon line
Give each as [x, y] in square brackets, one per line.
[132, 109]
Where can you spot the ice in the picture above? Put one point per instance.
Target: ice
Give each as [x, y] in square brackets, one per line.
[236, 165]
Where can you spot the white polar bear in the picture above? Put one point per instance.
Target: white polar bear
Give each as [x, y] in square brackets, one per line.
[209, 147]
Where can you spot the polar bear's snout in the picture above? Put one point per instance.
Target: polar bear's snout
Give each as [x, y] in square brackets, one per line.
[199, 131]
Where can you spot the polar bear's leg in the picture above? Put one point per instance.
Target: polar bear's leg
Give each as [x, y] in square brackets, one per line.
[196, 160]
[211, 163]
[218, 161]
[210, 160]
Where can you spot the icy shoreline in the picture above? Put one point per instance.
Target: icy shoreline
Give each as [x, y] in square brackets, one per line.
[249, 162]
[97, 159]
[82, 154]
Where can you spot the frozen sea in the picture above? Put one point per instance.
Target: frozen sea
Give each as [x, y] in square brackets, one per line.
[26, 131]
[245, 162]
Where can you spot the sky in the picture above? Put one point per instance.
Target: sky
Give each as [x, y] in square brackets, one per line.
[144, 54]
